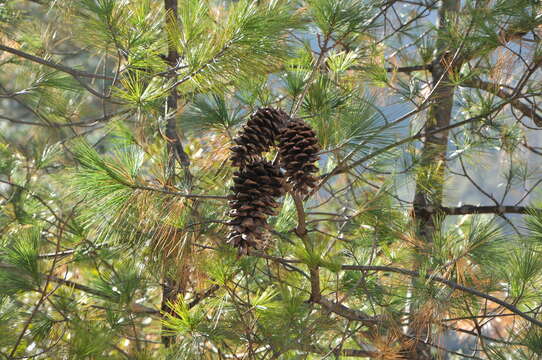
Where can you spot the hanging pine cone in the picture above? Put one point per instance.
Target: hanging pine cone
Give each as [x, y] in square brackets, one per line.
[298, 151]
[255, 188]
[258, 135]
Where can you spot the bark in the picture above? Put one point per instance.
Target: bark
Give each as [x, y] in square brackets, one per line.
[433, 154]
[176, 151]
[172, 286]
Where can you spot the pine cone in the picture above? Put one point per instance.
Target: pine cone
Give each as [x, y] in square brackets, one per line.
[298, 151]
[255, 188]
[258, 135]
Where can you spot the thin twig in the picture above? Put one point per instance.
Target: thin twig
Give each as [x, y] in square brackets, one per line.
[73, 72]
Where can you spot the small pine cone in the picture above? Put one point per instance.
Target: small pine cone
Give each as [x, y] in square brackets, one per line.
[298, 151]
[254, 191]
[258, 135]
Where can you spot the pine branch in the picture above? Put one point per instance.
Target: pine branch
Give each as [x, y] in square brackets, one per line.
[356, 315]
[439, 347]
[409, 69]
[497, 90]
[324, 48]
[175, 153]
[85, 123]
[391, 69]
[55, 254]
[345, 312]
[175, 147]
[461, 210]
[343, 168]
[301, 229]
[73, 72]
[507, 35]
[287, 263]
[203, 67]
[43, 296]
[199, 297]
[474, 209]
[338, 352]
[399, 69]
[450, 283]
[180, 194]
[314, 273]
[136, 308]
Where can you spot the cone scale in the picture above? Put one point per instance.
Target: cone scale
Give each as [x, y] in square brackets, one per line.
[258, 135]
[255, 189]
[298, 153]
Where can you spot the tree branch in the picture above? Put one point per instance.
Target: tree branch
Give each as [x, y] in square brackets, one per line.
[497, 90]
[474, 209]
[400, 69]
[87, 123]
[136, 308]
[73, 72]
[338, 352]
[344, 311]
[343, 168]
[450, 283]
[199, 297]
[175, 147]
[180, 194]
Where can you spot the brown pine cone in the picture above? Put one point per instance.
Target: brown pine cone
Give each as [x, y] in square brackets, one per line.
[258, 135]
[298, 149]
[254, 191]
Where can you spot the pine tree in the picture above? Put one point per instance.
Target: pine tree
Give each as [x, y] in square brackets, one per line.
[270, 179]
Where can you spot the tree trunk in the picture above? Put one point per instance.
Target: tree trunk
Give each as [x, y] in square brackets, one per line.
[433, 155]
[171, 286]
